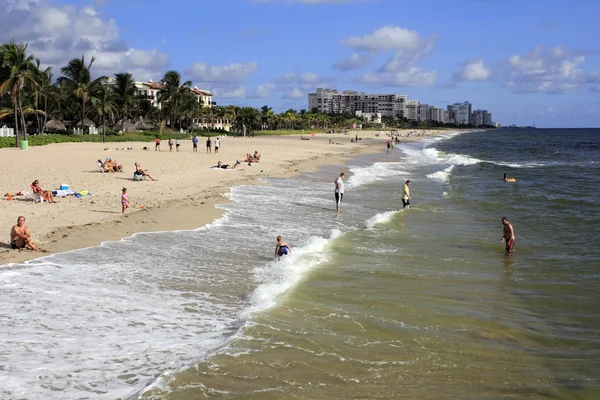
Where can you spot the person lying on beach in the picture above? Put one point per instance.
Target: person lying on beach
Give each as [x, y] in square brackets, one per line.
[226, 166]
[140, 172]
[20, 238]
[44, 194]
[282, 248]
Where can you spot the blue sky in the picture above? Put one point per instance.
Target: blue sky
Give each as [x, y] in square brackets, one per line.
[527, 62]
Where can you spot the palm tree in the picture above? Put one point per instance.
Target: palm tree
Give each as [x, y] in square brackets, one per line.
[172, 92]
[41, 92]
[18, 71]
[78, 80]
[104, 101]
[125, 91]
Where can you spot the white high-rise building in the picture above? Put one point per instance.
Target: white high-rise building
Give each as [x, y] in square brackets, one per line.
[481, 118]
[330, 101]
[460, 113]
[412, 110]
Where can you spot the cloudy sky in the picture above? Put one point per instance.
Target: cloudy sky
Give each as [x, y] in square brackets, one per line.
[527, 61]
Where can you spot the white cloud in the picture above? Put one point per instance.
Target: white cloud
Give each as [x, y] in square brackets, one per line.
[474, 70]
[294, 94]
[355, 61]
[57, 33]
[401, 69]
[265, 90]
[389, 38]
[228, 92]
[235, 72]
[410, 78]
[552, 70]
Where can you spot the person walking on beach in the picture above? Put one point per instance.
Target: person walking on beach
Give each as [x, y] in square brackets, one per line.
[208, 145]
[508, 235]
[217, 144]
[20, 238]
[177, 144]
[157, 144]
[124, 201]
[282, 248]
[195, 144]
[170, 144]
[339, 191]
[406, 194]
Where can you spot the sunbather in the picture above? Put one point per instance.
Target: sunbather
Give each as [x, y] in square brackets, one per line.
[227, 166]
[252, 158]
[112, 164]
[44, 194]
[140, 172]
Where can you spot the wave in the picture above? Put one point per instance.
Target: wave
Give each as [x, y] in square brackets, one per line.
[381, 218]
[278, 277]
[373, 173]
[442, 176]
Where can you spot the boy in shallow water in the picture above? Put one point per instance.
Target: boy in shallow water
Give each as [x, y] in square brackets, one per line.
[282, 248]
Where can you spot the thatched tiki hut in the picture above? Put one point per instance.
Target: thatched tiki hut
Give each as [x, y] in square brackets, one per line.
[86, 122]
[55, 125]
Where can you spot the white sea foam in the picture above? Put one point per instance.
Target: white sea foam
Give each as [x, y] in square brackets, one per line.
[373, 173]
[442, 176]
[279, 276]
[381, 218]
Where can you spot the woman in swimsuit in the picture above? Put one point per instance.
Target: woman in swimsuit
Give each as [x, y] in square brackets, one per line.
[45, 194]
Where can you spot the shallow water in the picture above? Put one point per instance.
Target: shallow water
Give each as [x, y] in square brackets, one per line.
[373, 303]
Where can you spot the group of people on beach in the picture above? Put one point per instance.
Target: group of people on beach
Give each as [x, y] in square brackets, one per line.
[209, 145]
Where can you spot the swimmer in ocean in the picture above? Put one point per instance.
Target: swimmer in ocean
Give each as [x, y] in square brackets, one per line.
[282, 248]
[507, 179]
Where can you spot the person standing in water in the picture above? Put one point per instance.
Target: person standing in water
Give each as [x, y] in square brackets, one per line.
[339, 191]
[508, 235]
[406, 194]
[282, 248]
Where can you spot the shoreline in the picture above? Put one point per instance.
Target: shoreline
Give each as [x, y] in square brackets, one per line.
[189, 209]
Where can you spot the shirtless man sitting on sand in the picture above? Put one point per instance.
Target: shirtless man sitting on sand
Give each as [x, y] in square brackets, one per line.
[20, 237]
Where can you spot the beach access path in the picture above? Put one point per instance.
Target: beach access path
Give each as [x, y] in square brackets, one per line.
[183, 197]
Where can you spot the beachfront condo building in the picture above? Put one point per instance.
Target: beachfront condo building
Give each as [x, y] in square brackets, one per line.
[460, 113]
[151, 91]
[330, 101]
[481, 118]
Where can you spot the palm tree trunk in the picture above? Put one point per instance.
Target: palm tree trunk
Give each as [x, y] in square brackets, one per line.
[82, 115]
[22, 116]
[16, 127]
[103, 128]
[45, 115]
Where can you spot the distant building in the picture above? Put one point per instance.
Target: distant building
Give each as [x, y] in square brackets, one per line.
[412, 110]
[151, 91]
[330, 101]
[460, 113]
[370, 117]
[481, 118]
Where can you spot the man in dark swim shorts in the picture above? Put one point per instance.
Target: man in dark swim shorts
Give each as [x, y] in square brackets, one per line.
[20, 238]
[508, 235]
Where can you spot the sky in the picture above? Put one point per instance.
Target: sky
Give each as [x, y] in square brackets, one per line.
[527, 62]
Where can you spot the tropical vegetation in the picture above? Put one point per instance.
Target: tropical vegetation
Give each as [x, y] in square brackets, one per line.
[32, 101]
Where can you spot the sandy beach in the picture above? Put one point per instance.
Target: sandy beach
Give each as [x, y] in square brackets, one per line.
[183, 196]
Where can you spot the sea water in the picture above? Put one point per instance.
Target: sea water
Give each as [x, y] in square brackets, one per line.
[376, 302]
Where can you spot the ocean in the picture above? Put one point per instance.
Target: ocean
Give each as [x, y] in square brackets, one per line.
[374, 303]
